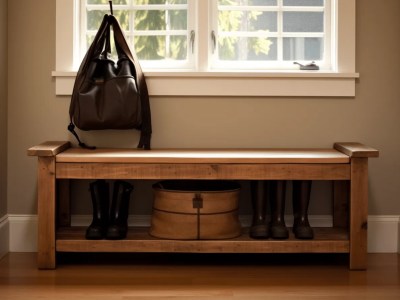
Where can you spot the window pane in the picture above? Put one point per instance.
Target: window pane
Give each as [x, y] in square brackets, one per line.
[178, 47]
[150, 47]
[248, 2]
[303, 2]
[301, 48]
[156, 20]
[177, 19]
[161, 47]
[247, 48]
[94, 19]
[229, 20]
[150, 20]
[265, 21]
[303, 21]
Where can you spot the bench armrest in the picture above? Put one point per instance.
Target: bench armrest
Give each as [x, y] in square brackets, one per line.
[48, 148]
[356, 149]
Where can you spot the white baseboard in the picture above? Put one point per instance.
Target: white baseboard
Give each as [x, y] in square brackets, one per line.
[383, 231]
[4, 236]
[23, 233]
[383, 234]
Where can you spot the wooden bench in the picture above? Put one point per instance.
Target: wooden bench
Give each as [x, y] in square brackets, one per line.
[346, 165]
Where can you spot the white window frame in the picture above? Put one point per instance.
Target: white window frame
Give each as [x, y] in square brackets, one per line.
[339, 82]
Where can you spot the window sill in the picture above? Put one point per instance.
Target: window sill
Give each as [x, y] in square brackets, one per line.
[253, 84]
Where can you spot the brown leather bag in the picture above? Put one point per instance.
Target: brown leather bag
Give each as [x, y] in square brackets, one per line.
[108, 95]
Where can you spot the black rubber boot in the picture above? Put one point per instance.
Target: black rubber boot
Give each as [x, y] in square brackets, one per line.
[100, 197]
[118, 224]
[277, 226]
[301, 199]
[259, 227]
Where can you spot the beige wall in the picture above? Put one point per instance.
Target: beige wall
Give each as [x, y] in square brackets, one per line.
[372, 117]
[3, 107]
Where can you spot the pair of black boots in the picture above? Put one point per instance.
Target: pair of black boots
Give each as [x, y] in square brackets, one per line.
[274, 191]
[110, 223]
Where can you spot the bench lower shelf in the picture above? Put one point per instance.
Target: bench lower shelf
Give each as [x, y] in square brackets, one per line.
[327, 240]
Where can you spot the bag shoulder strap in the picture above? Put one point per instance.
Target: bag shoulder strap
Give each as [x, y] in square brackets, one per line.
[120, 41]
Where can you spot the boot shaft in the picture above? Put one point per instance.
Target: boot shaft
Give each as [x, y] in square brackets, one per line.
[118, 225]
[259, 201]
[277, 196]
[99, 191]
[120, 201]
[301, 199]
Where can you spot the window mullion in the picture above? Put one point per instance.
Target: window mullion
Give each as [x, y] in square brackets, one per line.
[83, 36]
[280, 31]
[203, 33]
[328, 41]
[131, 34]
[167, 35]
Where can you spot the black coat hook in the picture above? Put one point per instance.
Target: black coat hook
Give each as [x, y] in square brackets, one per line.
[111, 7]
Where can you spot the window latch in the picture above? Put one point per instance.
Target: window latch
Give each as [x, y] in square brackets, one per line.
[214, 41]
[310, 66]
[192, 38]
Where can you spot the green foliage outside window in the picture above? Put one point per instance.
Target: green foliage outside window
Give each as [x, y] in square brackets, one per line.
[233, 21]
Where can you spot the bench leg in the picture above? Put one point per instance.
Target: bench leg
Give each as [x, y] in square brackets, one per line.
[46, 213]
[358, 213]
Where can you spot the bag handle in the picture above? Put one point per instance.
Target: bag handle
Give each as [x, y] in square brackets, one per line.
[107, 48]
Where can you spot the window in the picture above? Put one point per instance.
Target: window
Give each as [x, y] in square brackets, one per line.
[245, 34]
[185, 45]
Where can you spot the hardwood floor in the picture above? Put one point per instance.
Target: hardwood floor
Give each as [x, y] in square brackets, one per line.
[194, 276]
